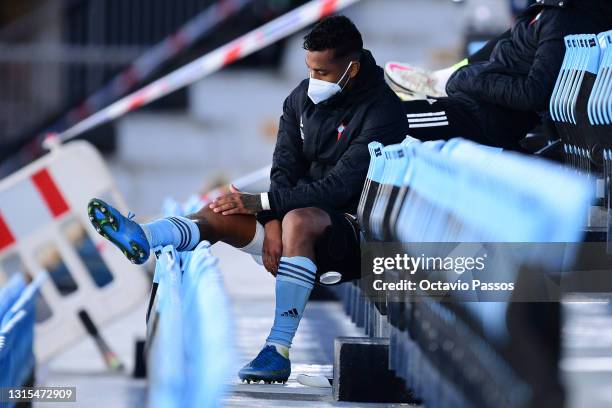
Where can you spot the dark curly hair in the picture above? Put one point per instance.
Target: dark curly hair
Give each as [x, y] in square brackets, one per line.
[336, 33]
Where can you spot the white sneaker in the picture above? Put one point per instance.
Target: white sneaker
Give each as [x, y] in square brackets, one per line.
[411, 83]
[316, 381]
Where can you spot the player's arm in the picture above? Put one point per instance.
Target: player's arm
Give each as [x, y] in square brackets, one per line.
[272, 249]
[288, 161]
[334, 190]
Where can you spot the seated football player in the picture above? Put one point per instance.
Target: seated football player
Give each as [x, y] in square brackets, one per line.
[304, 226]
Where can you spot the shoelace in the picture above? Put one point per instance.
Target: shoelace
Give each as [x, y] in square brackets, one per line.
[130, 215]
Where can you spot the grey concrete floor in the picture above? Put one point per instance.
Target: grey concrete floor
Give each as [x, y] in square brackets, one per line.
[251, 290]
[587, 349]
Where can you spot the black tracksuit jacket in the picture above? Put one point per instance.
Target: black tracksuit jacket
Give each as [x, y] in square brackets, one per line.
[510, 89]
[321, 157]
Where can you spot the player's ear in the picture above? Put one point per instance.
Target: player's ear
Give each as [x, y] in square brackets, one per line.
[355, 67]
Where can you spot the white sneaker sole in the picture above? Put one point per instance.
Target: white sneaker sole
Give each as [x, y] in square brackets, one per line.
[317, 381]
[404, 78]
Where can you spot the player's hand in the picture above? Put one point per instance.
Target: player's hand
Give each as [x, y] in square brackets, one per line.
[237, 202]
[272, 246]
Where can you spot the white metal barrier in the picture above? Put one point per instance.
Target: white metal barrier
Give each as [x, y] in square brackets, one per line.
[44, 227]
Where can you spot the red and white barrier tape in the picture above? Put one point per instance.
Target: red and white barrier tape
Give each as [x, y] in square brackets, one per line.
[155, 57]
[207, 64]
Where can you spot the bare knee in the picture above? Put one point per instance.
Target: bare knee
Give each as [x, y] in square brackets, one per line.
[237, 230]
[304, 225]
[209, 223]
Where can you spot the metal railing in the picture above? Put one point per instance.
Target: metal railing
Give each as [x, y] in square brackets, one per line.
[74, 64]
[66, 50]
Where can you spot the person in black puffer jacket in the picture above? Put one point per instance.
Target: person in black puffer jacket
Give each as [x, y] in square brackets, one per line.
[503, 91]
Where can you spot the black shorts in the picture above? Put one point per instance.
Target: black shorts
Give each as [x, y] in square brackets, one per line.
[446, 118]
[338, 249]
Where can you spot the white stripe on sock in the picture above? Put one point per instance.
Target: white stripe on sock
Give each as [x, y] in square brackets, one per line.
[425, 115]
[422, 120]
[422, 125]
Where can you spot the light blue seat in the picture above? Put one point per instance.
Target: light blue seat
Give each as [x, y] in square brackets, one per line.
[191, 349]
[10, 292]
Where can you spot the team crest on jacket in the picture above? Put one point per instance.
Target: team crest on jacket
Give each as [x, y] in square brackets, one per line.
[341, 129]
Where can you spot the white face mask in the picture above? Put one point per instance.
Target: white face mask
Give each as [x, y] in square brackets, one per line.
[319, 91]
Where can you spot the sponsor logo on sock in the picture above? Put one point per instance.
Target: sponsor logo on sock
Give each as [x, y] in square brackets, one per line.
[291, 313]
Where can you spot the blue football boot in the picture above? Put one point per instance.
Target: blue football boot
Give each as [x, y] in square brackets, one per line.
[269, 366]
[126, 234]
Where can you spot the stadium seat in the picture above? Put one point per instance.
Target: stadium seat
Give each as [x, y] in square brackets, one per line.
[396, 161]
[568, 104]
[10, 292]
[580, 108]
[373, 180]
[17, 317]
[448, 192]
[189, 333]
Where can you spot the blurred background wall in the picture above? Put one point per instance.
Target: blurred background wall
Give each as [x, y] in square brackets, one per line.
[55, 53]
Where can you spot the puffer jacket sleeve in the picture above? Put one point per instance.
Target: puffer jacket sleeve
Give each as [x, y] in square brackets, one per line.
[288, 161]
[484, 53]
[531, 92]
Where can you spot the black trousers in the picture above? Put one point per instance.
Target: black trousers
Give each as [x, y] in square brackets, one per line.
[442, 119]
[446, 118]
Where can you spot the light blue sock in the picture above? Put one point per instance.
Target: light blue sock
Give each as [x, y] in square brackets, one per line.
[294, 282]
[180, 232]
